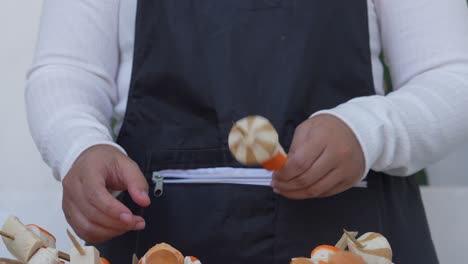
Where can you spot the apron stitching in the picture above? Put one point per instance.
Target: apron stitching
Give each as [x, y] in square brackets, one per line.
[275, 218]
[381, 209]
[131, 89]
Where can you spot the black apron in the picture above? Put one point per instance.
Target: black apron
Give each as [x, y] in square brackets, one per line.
[200, 65]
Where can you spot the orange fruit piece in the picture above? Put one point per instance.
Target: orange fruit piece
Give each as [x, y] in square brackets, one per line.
[163, 254]
[321, 254]
[326, 248]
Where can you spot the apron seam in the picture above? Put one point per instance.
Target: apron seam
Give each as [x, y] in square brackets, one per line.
[381, 210]
[275, 226]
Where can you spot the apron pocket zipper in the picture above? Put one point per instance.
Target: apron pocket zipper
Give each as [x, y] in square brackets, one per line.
[158, 181]
[160, 178]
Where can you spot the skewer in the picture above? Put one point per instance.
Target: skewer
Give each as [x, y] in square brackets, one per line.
[7, 235]
[75, 242]
[343, 242]
[9, 261]
[254, 141]
[64, 256]
[134, 259]
[352, 238]
[61, 255]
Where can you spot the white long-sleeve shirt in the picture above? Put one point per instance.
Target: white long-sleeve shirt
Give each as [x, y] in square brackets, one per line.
[80, 79]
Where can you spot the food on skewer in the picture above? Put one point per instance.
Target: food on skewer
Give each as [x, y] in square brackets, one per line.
[25, 242]
[191, 260]
[29, 244]
[253, 140]
[370, 248]
[322, 254]
[343, 242]
[162, 254]
[6, 235]
[375, 248]
[90, 256]
[47, 238]
[45, 256]
[84, 255]
[351, 238]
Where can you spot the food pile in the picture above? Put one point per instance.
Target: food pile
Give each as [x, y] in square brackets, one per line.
[34, 245]
[31, 244]
[370, 248]
[252, 141]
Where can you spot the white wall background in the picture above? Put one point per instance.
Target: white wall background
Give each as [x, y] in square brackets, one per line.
[451, 171]
[28, 190]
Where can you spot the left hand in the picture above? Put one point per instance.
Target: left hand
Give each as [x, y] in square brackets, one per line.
[325, 159]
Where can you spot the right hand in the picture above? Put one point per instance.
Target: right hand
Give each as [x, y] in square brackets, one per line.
[89, 207]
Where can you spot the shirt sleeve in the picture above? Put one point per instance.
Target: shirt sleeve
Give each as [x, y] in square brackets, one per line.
[426, 47]
[71, 86]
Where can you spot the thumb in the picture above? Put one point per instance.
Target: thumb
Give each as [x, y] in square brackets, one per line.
[301, 134]
[297, 162]
[135, 182]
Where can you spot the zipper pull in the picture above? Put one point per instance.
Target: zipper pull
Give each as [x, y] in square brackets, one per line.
[158, 181]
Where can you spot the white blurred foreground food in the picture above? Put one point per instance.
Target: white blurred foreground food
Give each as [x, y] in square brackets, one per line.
[91, 256]
[376, 248]
[25, 244]
[191, 260]
[47, 238]
[254, 141]
[45, 256]
[370, 248]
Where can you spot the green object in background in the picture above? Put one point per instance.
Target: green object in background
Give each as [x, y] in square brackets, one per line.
[421, 176]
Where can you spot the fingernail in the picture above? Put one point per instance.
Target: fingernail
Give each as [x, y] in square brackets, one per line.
[126, 217]
[276, 191]
[140, 225]
[144, 194]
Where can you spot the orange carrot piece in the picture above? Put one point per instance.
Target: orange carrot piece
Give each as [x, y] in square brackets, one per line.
[276, 162]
